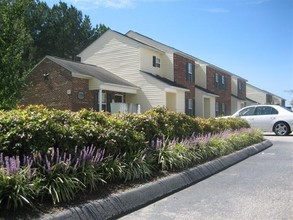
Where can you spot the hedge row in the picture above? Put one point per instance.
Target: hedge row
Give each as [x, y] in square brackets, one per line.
[37, 128]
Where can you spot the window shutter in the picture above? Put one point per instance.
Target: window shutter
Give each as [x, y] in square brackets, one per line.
[215, 80]
[186, 106]
[186, 72]
[154, 61]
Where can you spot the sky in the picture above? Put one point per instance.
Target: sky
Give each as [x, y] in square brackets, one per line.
[250, 38]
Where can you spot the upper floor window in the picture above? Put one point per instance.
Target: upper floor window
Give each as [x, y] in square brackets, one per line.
[240, 86]
[156, 62]
[220, 81]
[190, 72]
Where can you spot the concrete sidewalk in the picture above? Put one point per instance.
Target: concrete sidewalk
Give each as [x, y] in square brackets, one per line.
[117, 205]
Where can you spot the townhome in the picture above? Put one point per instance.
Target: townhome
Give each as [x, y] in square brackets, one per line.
[212, 90]
[142, 65]
[256, 95]
[67, 85]
[133, 73]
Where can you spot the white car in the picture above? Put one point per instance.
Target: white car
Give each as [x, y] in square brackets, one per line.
[268, 118]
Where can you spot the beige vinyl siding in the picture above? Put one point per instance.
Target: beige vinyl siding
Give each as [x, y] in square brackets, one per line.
[234, 86]
[121, 56]
[255, 94]
[166, 65]
[200, 76]
[202, 99]
[236, 104]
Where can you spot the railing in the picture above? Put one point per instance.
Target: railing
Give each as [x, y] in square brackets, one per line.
[117, 107]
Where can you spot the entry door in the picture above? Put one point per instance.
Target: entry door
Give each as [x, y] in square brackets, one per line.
[207, 108]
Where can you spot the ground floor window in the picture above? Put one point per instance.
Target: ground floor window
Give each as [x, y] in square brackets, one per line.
[190, 107]
[220, 109]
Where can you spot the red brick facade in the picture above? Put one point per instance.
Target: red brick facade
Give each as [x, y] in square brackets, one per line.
[180, 75]
[58, 90]
[221, 89]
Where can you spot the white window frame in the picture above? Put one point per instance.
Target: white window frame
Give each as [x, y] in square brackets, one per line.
[158, 62]
[190, 104]
[189, 68]
[223, 108]
[223, 80]
[217, 77]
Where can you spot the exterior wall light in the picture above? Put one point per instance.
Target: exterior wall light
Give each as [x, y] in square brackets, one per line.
[46, 75]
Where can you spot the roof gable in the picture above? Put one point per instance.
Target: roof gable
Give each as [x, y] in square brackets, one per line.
[90, 71]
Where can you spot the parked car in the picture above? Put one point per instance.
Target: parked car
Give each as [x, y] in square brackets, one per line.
[268, 118]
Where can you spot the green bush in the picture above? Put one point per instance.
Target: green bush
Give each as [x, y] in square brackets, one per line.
[37, 128]
[70, 152]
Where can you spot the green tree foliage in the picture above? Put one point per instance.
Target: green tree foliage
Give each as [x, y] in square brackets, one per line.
[15, 42]
[61, 30]
[30, 30]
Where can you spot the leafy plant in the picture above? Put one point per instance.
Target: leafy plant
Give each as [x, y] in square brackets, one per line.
[18, 186]
[136, 166]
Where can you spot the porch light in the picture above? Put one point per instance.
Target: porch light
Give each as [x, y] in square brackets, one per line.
[46, 75]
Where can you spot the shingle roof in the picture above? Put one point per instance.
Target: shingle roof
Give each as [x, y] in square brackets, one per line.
[91, 70]
[164, 80]
[205, 90]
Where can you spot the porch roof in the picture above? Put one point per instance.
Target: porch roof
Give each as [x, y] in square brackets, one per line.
[165, 80]
[89, 70]
[206, 91]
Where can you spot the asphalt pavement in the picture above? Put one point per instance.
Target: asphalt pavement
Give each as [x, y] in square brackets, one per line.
[118, 205]
[260, 187]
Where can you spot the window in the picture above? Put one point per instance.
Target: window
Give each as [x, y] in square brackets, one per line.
[190, 72]
[118, 98]
[156, 62]
[189, 107]
[265, 111]
[217, 77]
[240, 86]
[220, 81]
[189, 68]
[220, 109]
[223, 80]
[247, 111]
[190, 104]
[223, 108]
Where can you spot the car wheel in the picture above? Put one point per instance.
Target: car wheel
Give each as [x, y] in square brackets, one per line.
[281, 129]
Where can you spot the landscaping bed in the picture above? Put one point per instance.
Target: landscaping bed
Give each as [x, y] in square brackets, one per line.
[52, 157]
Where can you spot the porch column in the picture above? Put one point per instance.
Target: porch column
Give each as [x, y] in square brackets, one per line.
[100, 99]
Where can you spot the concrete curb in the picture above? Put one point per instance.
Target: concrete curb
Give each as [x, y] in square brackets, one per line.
[120, 204]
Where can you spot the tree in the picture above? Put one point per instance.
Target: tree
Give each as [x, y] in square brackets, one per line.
[61, 31]
[15, 42]
[30, 30]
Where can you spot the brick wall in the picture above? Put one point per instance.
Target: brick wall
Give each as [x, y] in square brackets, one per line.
[53, 91]
[224, 94]
[180, 75]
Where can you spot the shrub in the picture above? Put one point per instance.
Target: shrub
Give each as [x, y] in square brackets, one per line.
[137, 166]
[18, 186]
